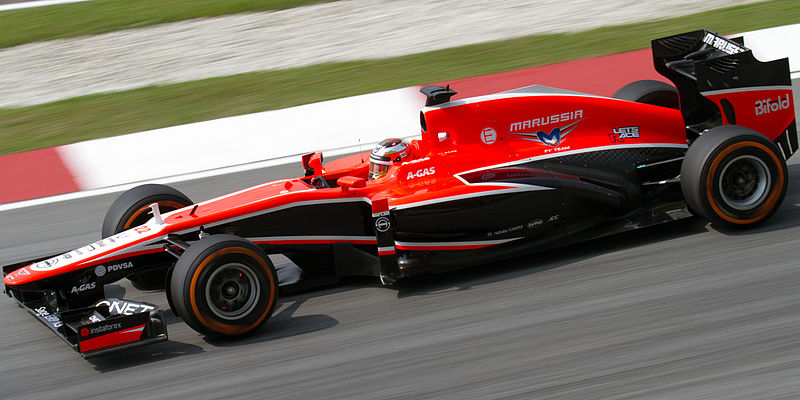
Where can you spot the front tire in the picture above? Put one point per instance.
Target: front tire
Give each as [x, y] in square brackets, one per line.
[734, 177]
[131, 209]
[224, 286]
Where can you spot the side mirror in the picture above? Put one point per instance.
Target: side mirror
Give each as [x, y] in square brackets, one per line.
[347, 182]
[312, 164]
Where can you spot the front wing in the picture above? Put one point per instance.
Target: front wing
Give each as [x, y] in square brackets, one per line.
[106, 326]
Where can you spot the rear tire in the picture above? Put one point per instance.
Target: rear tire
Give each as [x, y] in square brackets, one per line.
[224, 286]
[656, 93]
[132, 208]
[734, 177]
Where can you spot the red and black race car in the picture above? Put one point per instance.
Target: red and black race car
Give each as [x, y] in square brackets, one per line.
[490, 177]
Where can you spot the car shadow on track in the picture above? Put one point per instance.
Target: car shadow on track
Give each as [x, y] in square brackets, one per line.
[283, 323]
[143, 355]
[547, 260]
[787, 217]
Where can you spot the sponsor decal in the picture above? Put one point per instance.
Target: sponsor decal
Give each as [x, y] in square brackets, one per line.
[45, 265]
[488, 176]
[53, 320]
[505, 231]
[101, 270]
[121, 307]
[23, 271]
[421, 183]
[618, 135]
[546, 120]
[552, 139]
[535, 223]
[722, 43]
[767, 106]
[421, 172]
[83, 288]
[383, 224]
[86, 251]
[94, 319]
[85, 332]
[119, 267]
[104, 328]
[488, 136]
[553, 218]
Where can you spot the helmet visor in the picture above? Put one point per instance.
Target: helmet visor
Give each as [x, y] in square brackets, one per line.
[378, 169]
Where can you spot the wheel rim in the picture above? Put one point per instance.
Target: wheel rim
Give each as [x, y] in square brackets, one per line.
[744, 182]
[232, 291]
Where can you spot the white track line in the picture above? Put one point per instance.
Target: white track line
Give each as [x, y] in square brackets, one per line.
[40, 3]
[178, 178]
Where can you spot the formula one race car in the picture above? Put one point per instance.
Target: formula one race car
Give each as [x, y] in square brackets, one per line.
[491, 177]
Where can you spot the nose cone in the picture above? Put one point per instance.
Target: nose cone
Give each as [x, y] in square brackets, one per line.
[17, 277]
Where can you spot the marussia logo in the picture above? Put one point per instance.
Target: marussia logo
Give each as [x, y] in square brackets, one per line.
[552, 139]
[723, 44]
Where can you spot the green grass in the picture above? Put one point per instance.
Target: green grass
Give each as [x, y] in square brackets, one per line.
[105, 115]
[76, 19]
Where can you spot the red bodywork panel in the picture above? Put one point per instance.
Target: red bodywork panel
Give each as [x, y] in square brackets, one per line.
[460, 136]
[768, 110]
[111, 339]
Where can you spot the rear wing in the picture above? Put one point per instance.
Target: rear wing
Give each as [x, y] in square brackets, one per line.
[712, 71]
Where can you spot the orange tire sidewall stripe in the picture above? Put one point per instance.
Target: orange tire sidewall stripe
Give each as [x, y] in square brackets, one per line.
[215, 325]
[174, 205]
[765, 207]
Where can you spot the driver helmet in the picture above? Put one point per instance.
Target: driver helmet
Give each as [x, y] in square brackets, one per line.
[385, 154]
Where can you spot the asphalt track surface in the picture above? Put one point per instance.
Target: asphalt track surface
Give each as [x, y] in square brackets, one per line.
[677, 311]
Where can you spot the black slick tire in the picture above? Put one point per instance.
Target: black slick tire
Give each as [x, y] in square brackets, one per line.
[224, 286]
[132, 208]
[734, 177]
[656, 93]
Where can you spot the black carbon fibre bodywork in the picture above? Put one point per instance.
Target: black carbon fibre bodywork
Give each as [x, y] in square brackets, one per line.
[702, 61]
[561, 199]
[585, 196]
